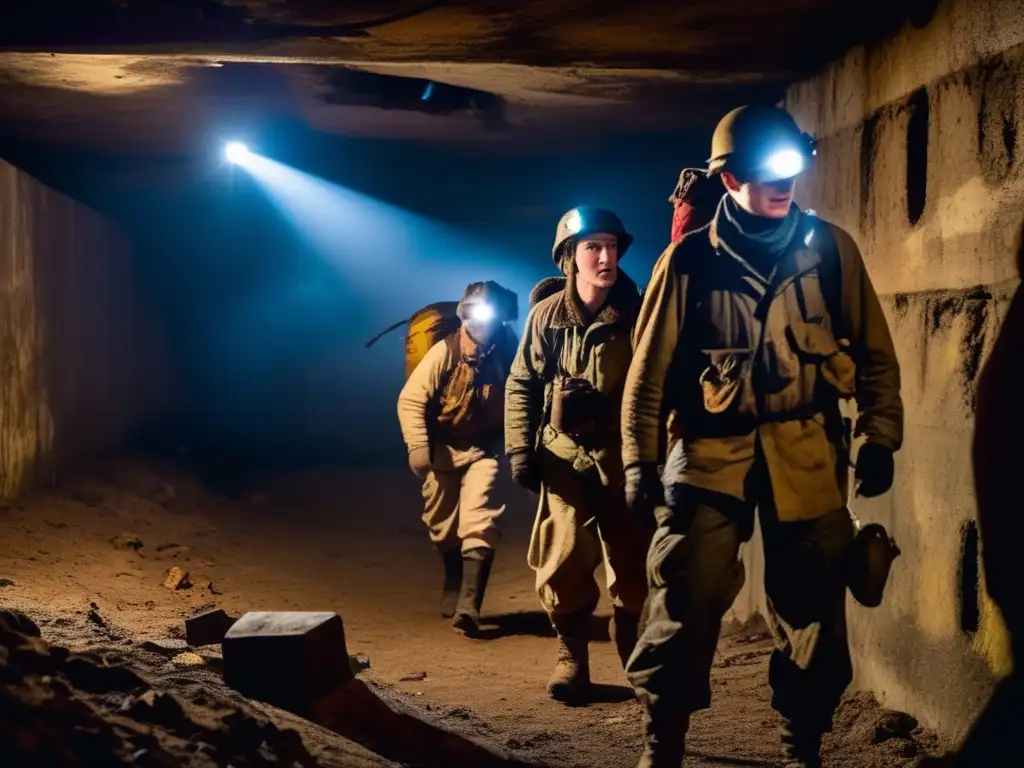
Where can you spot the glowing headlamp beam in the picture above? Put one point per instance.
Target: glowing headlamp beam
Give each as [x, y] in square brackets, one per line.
[785, 164]
[236, 152]
[483, 313]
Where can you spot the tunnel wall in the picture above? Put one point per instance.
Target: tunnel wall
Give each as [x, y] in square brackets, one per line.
[81, 363]
[921, 161]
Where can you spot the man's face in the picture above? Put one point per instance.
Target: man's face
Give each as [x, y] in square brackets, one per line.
[770, 199]
[597, 260]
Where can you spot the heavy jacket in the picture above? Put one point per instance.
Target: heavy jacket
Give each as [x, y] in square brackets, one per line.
[756, 362]
[454, 399]
[560, 343]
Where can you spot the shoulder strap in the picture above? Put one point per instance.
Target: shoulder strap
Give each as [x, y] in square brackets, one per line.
[824, 242]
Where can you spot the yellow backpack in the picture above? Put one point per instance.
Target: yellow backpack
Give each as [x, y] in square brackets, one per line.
[424, 329]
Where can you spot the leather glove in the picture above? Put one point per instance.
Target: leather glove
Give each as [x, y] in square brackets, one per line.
[526, 470]
[874, 471]
[643, 488]
[419, 461]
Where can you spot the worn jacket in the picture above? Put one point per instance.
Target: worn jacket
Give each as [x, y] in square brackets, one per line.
[454, 400]
[560, 343]
[757, 362]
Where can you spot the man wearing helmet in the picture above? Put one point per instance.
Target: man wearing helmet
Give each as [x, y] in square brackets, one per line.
[451, 412]
[768, 319]
[562, 434]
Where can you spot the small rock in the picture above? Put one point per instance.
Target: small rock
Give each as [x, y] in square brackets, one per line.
[165, 547]
[415, 677]
[165, 645]
[358, 663]
[894, 725]
[188, 659]
[6, 583]
[208, 628]
[20, 623]
[94, 616]
[177, 579]
[127, 541]
[204, 583]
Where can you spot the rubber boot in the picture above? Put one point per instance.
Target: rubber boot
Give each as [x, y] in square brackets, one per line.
[476, 570]
[570, 682]
[452, 582]
[800, 749]
[624, 631]
[665, 743]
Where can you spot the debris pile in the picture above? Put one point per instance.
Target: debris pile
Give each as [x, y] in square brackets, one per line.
[59, 708]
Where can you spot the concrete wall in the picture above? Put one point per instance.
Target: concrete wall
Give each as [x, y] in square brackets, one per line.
[80, 356]
[922, 142]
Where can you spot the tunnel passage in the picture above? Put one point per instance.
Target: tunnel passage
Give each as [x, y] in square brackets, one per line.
[968, 575]
[917, 154]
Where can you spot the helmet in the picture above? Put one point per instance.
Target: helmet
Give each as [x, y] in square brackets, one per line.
[488, 301]
[760, 143]
[587, 220]
[870, 561]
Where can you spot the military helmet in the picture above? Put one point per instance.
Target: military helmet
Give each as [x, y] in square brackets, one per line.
[587, 220]
[760, 143]
[869, 563]
[486, 301]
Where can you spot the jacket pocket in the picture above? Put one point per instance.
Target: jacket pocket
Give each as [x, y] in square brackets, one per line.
[814, 344]
[725, 383]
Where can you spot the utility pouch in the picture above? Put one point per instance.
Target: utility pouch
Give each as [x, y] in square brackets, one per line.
[577, 408]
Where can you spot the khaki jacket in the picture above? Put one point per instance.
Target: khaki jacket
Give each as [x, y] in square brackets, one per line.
[759, 362]
[454, 400]
[560, 343]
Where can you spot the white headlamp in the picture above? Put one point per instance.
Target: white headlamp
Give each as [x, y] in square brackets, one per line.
[785, 163]
[482, 312]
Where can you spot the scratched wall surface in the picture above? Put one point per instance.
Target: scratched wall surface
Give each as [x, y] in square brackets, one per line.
[920, 160]
[81, 363]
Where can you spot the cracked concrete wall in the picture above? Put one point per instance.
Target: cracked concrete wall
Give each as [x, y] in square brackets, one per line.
[921, 161]
[81, 360]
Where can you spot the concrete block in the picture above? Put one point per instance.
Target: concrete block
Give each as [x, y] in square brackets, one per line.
[286, 658]
[207, 628]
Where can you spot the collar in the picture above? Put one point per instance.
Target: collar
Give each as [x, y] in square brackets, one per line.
[623, 302]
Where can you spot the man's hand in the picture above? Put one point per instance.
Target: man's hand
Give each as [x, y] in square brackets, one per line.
[526, 470]
[419, 461]
[643, 489]
[874, 471]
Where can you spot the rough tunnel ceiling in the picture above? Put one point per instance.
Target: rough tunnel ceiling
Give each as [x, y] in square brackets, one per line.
[153, 78]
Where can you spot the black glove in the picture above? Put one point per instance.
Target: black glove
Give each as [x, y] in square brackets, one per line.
[526, 470]
[643, 488]
[419, 461]
[874, 470]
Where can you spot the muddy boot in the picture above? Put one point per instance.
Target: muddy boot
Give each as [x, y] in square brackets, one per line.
[452, 582]
[476, 570]
[665, 743]
[570, 682]
[800, 749]
[624, 631]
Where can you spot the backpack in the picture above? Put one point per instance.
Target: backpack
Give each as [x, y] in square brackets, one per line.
[694, 201]
[427, 326]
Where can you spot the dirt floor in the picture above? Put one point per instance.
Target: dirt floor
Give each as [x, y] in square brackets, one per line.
[350, 541]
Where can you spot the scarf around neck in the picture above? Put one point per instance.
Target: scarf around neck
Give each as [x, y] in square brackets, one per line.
[756, 239]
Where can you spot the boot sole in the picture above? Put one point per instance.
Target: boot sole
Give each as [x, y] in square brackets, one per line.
[466, 625]
[574, 695]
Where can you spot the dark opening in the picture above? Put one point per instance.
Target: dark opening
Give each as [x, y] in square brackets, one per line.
[917, 155]
[970, 611]
[922, 12]
[1009, 140]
